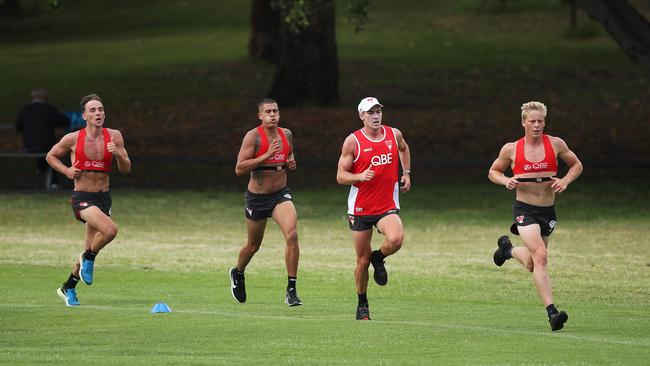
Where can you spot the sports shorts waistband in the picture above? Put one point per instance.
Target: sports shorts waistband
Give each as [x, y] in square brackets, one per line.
[528, 205]
[266, 194]
[273, 167]
[536, 180]
[94, 171]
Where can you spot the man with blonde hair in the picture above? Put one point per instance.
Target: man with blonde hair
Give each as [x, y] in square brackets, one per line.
[533, 160]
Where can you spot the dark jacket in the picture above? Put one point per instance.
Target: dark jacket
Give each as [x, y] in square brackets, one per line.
[37, 122]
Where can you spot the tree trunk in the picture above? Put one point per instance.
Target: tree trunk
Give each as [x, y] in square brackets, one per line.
[307, 62]
[265, 24]
[626, 26]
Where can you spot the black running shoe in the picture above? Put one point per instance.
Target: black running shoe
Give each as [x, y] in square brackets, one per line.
[380, 275]
[237, 285]
[500, 255]
[557, 320]
[363, 313]
[292, 299]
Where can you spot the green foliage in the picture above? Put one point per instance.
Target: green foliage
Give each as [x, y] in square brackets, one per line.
[173, 52]
[358, 13]
[294, 13]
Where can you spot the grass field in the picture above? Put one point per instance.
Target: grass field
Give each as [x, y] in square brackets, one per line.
[446, 302]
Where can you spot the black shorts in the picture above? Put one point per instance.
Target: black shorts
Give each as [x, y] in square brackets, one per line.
[366, 222]
[259, 206]
[82, 200]
[525, 214]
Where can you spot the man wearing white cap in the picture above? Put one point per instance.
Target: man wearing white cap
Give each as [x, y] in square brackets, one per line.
[369, 163]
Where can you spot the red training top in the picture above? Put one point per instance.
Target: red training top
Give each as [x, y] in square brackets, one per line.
[380, 194]
[548, 164]
[280, 157]
[86, 164]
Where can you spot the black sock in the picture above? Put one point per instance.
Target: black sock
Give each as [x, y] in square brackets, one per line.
[377, 255]
[71, 282]
[291, 284]
[551, 309]
[90, 255]
[363, 300]
[509, 253]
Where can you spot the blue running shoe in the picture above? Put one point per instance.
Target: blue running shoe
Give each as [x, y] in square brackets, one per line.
[86, 270]
[68, 295]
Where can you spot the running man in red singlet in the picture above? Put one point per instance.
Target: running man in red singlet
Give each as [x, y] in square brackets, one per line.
[369, 163]
[266, 153]
[533, 160]
[91, 150]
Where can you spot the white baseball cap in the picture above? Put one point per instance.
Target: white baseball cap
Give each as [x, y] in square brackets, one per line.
[367, 103]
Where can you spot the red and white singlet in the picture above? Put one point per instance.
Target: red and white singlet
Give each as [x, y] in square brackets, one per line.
[523, 166]
[381, 193]
[280, 157]
[86, 164]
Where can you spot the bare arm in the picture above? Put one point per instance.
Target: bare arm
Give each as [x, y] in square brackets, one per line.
[116, 147]
[405, 159]
[57, 151]
[496, 173]
[291, 159]
[246, 160]
[571, 160]
[343, 174]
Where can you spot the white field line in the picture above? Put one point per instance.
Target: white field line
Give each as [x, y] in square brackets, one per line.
[584, 338]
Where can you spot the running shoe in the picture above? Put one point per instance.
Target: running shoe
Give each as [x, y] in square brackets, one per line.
[501, 254]
[68, 295]
[380, 275]
[557, 320]
[237, 285]
[363, 313]
[291, 298]
[86, 270]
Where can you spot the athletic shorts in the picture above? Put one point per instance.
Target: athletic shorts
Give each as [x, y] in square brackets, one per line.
[366, 222]
[259, 206]
[82, 200]
[525, 214]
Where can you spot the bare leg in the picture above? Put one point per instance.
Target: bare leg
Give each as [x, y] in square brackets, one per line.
[255, 231]
[523, 256]
[286, 217]
[391, 227]
[91, 234]
[536, 245]
[363, 250]
[100, 228]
